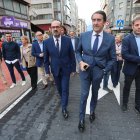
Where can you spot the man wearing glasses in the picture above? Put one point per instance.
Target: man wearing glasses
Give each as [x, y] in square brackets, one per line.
[37, 51]
[59, 55]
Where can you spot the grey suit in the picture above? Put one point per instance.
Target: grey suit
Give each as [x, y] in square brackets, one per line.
[94, 74]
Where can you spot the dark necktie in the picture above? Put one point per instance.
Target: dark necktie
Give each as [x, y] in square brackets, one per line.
[57, 44]
[95, 44]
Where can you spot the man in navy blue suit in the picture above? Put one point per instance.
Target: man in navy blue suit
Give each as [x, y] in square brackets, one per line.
[75, 41]
[37, 51]
[59, 55]
[96, 55]
[131, 69]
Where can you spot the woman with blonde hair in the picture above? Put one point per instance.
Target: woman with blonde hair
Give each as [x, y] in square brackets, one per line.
[115, 72]
[28, 61]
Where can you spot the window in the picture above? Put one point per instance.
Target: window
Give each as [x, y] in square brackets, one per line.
[57, 15]
[16, 6]
[121, 5]
[127, 17]
[47, 5]
[46, 16]
[119, 16]
[23, 9]
[8, 4]
[1, 3]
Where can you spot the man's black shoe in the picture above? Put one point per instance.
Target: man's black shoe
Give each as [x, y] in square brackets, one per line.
[124, 107]
[92, 117]
[45, 86]
[65, 114]
[107, 89]
[137, 109]
[81, 125]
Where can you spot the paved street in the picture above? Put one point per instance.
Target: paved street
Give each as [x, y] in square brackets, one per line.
[38, 117]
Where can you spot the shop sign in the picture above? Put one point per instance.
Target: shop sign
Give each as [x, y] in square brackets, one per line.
[9, 21]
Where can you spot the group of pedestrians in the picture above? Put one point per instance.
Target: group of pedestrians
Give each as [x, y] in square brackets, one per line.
[98, 55]
[94, 55]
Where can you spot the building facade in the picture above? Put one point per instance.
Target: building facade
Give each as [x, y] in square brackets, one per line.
[120, 10]
[49, 10]
[81, 26]
[14, 18]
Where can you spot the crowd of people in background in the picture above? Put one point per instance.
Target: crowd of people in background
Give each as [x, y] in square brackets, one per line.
[96, 55]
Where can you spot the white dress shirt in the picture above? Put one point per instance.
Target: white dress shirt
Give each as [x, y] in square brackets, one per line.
[94, 37]
[59, 41]
[41, 45]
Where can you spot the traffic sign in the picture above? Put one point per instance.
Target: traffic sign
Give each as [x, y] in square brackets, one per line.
[120, 23]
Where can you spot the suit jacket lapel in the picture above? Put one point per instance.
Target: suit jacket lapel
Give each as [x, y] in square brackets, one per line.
[38, 46]
[53, 45]
[88, 39]
[134, 43]
[104, 41]
[62, 45]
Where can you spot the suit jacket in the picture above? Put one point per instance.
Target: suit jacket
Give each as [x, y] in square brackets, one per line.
[63, 60]
[130, 55]
[104, 57]
[31, 59]
[76, 39]
[36, 52]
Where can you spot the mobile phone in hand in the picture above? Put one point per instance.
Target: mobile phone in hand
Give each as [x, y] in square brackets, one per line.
[85, 67]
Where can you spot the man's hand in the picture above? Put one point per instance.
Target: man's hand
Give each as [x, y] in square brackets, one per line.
[83, 66]
[41, 54]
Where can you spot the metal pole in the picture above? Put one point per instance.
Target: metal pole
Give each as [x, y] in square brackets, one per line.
[61, 2]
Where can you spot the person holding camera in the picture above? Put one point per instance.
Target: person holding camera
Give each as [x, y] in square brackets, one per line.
[92, 54]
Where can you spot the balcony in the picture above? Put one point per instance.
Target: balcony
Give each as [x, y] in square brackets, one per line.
[136, 1]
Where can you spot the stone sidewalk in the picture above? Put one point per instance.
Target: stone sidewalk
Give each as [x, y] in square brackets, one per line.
[38, 117]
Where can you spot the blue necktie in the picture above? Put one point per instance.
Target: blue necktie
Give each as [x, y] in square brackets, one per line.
[95, 44]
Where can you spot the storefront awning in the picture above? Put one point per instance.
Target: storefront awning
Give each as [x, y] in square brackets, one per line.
[35, 28]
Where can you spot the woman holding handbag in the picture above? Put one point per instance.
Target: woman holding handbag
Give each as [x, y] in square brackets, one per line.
[28, 61]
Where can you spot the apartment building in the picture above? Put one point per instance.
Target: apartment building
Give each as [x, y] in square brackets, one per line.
[49, 10]
[124, 10]
[81, 26]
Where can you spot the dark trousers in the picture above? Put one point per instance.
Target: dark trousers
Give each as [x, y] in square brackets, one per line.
[94, 78]
[115, 72]
[11, 70]
[127, 84]
[62, 84]
[32, 71]
[105, 80]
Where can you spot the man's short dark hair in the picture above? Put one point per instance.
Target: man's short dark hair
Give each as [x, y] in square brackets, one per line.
[101, 13]
[8, 33]
[135, 19]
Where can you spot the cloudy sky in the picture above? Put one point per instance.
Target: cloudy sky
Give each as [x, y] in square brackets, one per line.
[86, 8]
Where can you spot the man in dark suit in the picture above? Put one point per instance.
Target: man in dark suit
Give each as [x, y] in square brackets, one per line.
[131, 69]
[75, 41]
[92, 54]
[37, 51]
[60, 56]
